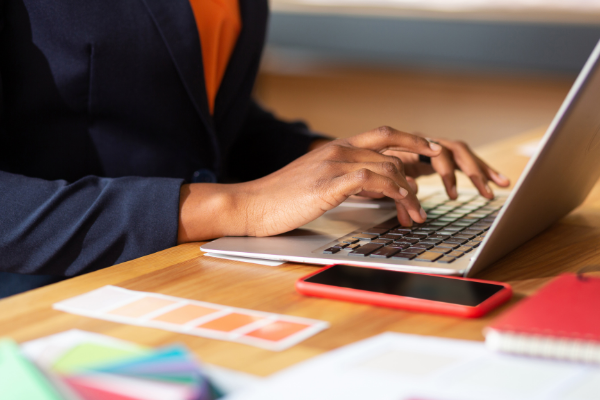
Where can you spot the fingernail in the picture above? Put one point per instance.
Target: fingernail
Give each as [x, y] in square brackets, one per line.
[453, 192]
[487, 188]
[423, 213]
[503, 177]
[403, 192]
[435, 146]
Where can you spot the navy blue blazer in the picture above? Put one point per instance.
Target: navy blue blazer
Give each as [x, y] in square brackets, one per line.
[103, 115]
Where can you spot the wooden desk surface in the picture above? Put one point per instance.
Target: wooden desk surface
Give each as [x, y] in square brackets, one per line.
[182, 271]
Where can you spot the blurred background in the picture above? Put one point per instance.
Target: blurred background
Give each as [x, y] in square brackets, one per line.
[475, 70]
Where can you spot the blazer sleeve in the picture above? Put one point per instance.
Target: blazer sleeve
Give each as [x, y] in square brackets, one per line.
[60, 228]
[267, 144]
[66, 228]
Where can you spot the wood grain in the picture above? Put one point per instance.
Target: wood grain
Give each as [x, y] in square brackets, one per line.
[183, 271]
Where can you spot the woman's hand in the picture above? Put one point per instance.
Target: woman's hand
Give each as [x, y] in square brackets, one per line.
[455, 155]
[375, 163]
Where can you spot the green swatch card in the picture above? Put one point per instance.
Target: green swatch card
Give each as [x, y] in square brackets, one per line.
[20, 379]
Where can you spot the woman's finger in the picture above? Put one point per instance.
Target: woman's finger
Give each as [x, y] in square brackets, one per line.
[493, 175]
[468, 163]
[444, 165]
[366, 180]
[386, 138]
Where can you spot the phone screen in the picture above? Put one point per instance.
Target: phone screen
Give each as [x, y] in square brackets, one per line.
[447, 290]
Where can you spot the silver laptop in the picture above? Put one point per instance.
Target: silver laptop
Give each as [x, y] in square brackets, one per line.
[460, 236]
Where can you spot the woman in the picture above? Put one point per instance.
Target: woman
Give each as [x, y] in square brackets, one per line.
[121, 121]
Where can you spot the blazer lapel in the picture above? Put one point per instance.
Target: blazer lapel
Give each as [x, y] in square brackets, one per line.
[177, 25]
[245, 59]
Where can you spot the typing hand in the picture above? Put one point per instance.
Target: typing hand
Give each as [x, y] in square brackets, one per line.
[378, 163]
[325, 177]
[455, 155]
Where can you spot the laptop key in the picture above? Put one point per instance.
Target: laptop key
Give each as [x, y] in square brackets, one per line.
[340, 245]
[395, 233]
[404, 256]
[422, 245]
[448, 245]
[446, 260]
[385, 252]
[440, 223]
[415, 236]
[353, 246]
[464, 249]
[463, 236]
[365, 236]
[422, 232]
[365, 250]
[382, 241]
[436, 212]
[407, 241]
[449, 220]
[349, 240]
[427, 229]
[429, 256]
[414, 250]
[400, 246]
[456, 254]
[471, 231]
[462, 223]
[454, 229]
[400, 231]
[455, 215]
[431, 241]
[456, 240]
[438, 236]
[481, 227]
[392, 237]
[442, 250]
[331, 250]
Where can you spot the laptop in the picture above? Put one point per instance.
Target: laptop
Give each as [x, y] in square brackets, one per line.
[463, 236]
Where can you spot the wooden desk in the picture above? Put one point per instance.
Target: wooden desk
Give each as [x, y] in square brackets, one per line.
[183, 271]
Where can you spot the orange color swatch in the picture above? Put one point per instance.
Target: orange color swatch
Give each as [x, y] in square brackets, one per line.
[142, 307]
[276, 331]
[184, 314]
[229, 322]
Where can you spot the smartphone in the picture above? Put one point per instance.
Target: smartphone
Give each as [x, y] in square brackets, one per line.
[411, 291]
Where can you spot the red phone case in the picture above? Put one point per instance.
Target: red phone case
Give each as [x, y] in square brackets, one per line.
[407, 303]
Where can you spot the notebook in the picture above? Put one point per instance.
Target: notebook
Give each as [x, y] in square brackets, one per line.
[460, 236]
[561, 321]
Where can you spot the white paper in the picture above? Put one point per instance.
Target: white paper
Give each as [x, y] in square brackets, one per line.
[396, 366]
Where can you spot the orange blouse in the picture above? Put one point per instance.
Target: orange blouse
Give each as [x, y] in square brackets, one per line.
[219, 24]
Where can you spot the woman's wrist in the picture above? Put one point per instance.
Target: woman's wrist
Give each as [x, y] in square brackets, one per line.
[208, 211]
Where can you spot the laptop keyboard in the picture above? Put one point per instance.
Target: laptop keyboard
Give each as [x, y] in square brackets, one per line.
[453, 228]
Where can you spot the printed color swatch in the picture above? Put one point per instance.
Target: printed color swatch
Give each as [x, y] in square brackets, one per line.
[256, 328]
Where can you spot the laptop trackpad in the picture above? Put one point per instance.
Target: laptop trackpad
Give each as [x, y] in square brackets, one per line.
[342, 220]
